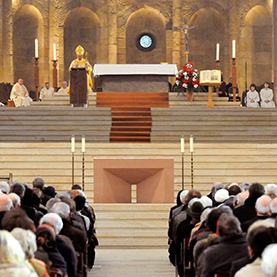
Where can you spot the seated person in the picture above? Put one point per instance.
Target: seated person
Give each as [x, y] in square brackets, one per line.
[47, 91]
[222, 89]
[64, 88]
[267, 96]
[229, 85]
[252, 97]
[20, 95]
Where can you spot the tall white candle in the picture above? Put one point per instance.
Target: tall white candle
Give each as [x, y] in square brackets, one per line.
[182, 145]
[83, 144]
[36, 48]
[72, 144]
[217, 52]
[233, 49]
[54, 52]
[191, 143]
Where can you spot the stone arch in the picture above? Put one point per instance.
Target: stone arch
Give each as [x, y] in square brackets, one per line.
[202, 40]
[27, 26]
[146, 21]
[257, 45]
[81, 27]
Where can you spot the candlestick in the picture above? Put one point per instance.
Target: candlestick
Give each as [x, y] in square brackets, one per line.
[191, 143]
[182, 145]
[36, 48]
[36, 79]
[83, 144]
[72, 144]
[234, 49]
[217, 52]
[55, 75]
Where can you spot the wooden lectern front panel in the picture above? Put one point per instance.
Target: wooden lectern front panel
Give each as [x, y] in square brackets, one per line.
[78, 86]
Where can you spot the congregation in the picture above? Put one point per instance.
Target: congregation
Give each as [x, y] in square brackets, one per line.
[44, 233]
[230, 232]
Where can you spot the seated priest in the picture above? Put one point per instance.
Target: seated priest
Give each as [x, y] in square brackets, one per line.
[80, 62]
[64, 88]
[47, 91]
[20, 95]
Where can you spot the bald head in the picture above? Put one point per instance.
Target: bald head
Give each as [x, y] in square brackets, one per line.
[273, 206]
[262, 205]
[5, 203]
[15, 200]
[241, 197]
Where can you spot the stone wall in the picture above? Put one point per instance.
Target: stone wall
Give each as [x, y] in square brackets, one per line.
[110, 29]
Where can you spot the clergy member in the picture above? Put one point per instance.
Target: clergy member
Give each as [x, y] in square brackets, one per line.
[80, 62]
[252, 97]
[20, 95]
[267, 96]
[64, 88]
[47, 91]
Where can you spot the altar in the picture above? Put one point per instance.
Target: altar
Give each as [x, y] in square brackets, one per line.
[134, 77]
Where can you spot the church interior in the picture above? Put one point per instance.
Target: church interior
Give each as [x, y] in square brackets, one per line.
[128, 154]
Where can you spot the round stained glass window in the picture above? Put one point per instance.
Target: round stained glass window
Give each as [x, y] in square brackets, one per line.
[145, 41]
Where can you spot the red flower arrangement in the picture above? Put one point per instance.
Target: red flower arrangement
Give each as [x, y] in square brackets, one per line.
[188, 77]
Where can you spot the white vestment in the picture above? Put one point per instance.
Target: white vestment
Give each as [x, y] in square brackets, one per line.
[46, 92]
[252, 96]
[267, 94]
[20, 96]
[63, 90]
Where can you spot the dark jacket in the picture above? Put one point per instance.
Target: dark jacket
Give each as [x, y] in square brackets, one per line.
[246, 211]
[219, 259]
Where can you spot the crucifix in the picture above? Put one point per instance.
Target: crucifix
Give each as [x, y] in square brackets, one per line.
[186, 29]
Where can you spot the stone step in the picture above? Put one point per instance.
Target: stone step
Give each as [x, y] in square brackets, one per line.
[132, 225]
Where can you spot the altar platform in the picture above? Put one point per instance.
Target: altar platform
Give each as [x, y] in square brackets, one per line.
[134, 77]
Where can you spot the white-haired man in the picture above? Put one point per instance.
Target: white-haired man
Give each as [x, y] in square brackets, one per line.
[76, 235]
[4, 187]
[15, 200]
[5, 205]
[262, 210]
[46, 91]
[64, 244]
[64, 88]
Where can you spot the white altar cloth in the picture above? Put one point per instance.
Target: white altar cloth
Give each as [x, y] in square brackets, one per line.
[135, 69]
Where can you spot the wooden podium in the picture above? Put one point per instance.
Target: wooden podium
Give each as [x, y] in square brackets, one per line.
[78, 87]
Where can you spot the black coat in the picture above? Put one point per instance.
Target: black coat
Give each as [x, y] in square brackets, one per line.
[218, 259]
[246, 211]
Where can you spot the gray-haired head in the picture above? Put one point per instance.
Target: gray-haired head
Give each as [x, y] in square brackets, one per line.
[262, 204]
[38, 182]
[269, 261]
[53, 220]
[273, 206]
[62, 209]
[18, 188]
[246, 186]
[27, 240]
[51, 202]
[4, 187]
[15, 200]
[5, 203]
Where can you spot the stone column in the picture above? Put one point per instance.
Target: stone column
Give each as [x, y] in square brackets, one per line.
[112, 31]
[275, 47]
[176, 37]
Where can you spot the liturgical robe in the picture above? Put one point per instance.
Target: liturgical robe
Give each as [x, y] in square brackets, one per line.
[267, 95]
[20, 96]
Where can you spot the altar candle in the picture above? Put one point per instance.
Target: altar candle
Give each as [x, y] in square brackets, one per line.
[83, 144]
[54, 52]
[36, 48]
[191, 143]
[217, 52]
[182, 145]
[72, 144]
[233, 49]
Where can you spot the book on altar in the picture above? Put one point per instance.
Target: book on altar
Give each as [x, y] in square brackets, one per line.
[210, 76]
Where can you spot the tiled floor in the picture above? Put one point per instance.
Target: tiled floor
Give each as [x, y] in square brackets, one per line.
[132, 262]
